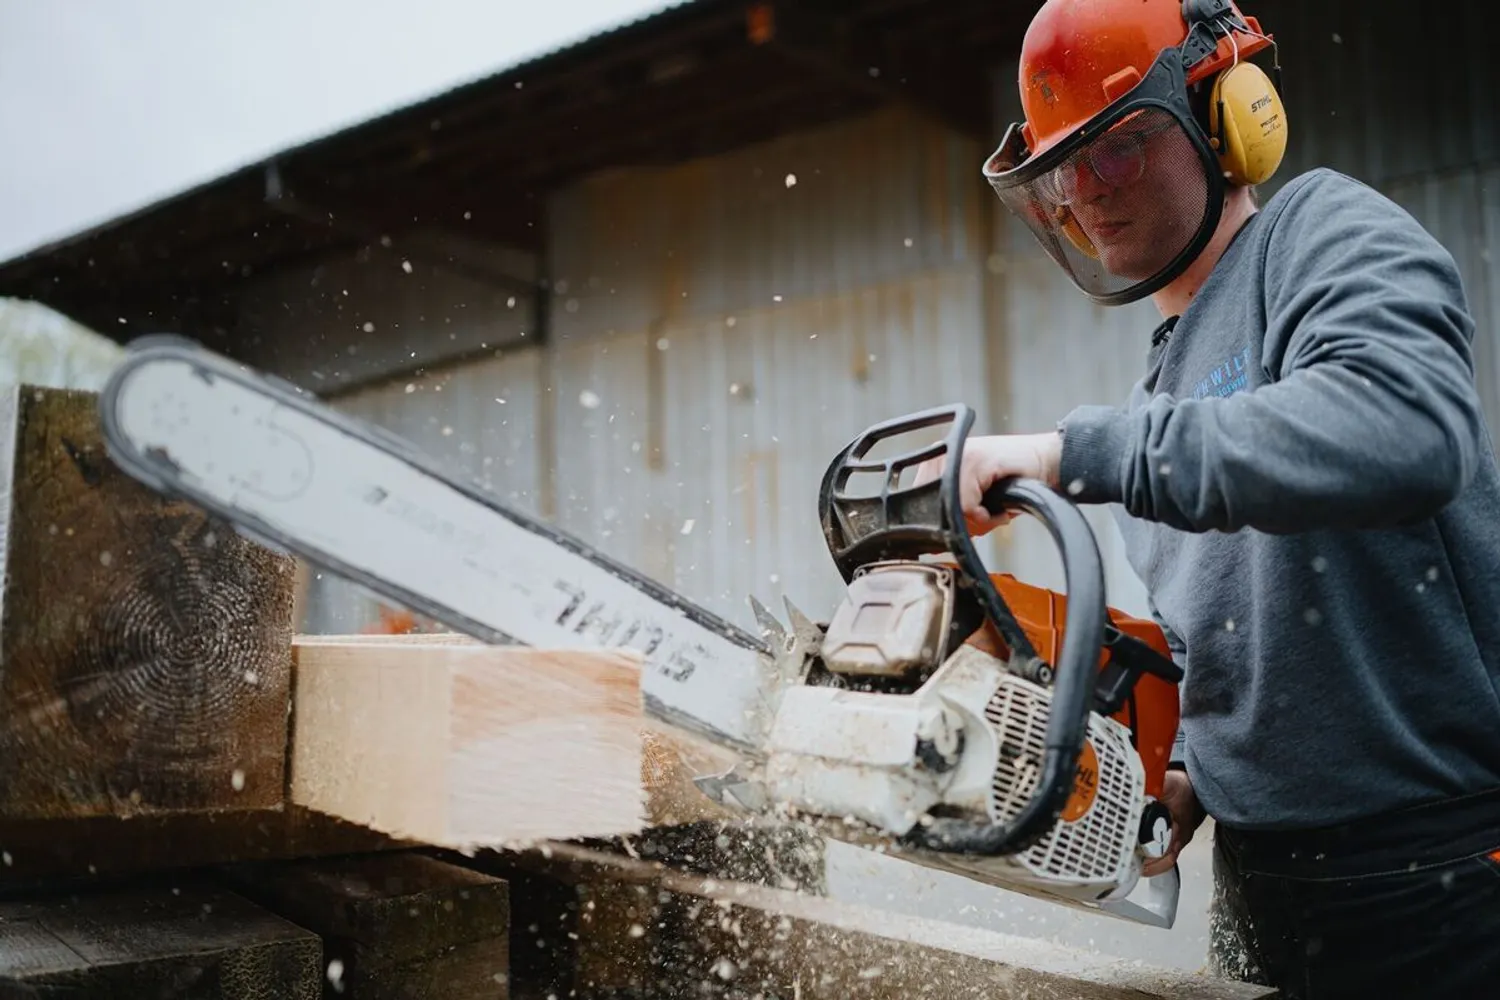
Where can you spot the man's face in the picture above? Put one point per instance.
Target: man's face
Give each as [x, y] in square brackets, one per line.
[1137, 192]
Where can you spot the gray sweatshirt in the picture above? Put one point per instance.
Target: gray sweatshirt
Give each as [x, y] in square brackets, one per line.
[1307, 488]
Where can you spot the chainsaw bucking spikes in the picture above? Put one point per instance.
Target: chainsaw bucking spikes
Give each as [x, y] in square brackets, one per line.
[771, 630]
[807, 634]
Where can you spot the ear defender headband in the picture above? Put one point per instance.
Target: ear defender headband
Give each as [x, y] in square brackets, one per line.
[1246, 123]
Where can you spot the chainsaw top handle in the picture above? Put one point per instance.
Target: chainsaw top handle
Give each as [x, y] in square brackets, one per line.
[908, 522]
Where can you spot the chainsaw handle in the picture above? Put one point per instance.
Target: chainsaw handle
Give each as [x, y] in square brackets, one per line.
[1073, 685]
[908, 522]
[897, 522]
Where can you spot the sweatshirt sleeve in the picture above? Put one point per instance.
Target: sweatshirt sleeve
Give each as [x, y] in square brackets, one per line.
[1372, 418]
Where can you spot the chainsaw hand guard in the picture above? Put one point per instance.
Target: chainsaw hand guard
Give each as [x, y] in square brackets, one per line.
[927, 519]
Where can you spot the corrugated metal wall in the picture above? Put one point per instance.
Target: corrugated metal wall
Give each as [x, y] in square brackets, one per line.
[720, 330]
[739, 320]
[1420, 122]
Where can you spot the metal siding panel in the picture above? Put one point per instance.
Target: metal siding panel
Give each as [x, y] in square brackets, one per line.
[792, 317]
[752, 413]
[748, 463]
[606, 494]
[875, 198]
[1362, 99]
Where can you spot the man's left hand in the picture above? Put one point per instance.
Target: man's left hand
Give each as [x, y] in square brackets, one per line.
[987, 460]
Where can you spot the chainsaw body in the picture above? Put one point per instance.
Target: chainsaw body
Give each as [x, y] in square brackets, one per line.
[966, 720]
[964, 743]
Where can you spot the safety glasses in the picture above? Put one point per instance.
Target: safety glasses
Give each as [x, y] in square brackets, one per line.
[1116, 158]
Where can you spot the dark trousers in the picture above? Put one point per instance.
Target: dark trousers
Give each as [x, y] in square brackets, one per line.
[1404, 906]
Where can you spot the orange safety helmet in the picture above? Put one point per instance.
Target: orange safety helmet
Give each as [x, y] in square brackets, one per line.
[1108, 86]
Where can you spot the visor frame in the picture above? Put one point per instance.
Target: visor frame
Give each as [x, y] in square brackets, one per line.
[1164, 87]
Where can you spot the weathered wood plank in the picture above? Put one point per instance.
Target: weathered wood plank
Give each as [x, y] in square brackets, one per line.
[83, 851]
[145, 649]
[618, 927]
[396, 926]
[190, 942]
[461, 745]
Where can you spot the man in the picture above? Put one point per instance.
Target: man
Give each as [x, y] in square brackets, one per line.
[1306, 486]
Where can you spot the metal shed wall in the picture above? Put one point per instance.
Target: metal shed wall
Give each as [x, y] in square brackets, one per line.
[719, 331]
[740, 319]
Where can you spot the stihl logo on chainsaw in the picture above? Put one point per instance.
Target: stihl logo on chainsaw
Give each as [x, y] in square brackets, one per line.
[614, 628]
[1085, 784]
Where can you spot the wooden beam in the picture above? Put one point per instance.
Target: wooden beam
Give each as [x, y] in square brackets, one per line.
[630, 925]
[185, 941]
[931, 73]
[145, 648]
[458, 744]
[670, 757]
[51, 852]
[398, 925]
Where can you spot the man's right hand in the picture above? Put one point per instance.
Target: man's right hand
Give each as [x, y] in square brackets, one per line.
[1187, 815]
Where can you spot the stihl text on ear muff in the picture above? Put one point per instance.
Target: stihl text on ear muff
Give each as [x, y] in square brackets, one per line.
[1246, 120]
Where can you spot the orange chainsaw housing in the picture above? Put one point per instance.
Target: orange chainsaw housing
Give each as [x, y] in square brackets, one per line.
[1151, 713]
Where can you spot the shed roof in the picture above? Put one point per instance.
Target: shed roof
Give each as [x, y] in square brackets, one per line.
[699, 77]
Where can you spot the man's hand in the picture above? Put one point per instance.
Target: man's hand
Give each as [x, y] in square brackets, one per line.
[987, 460]
[1187, 815]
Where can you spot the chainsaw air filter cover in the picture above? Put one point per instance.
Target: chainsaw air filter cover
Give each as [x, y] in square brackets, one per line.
[892, 622]
[1097, 832]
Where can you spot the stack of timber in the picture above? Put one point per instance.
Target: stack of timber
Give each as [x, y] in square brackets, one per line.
[197, 802]
[145, 667]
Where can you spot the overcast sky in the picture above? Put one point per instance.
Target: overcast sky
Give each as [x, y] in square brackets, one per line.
[108, 105]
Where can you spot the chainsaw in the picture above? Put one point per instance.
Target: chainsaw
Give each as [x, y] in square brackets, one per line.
[958, 718]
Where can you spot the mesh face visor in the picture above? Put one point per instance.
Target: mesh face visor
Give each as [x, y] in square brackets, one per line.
[1126, 202]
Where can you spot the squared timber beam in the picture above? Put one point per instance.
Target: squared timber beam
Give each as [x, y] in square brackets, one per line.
[453, 743]
[394, 925]
[145, 647]
[187, 941]
[894, 64]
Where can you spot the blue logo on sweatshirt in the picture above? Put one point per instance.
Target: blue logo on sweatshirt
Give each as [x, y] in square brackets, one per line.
[1232, 375]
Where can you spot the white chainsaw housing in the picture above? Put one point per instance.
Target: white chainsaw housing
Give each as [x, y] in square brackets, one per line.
[834, 752]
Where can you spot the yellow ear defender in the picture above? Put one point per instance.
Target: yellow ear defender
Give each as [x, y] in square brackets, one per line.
[1247, 124]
